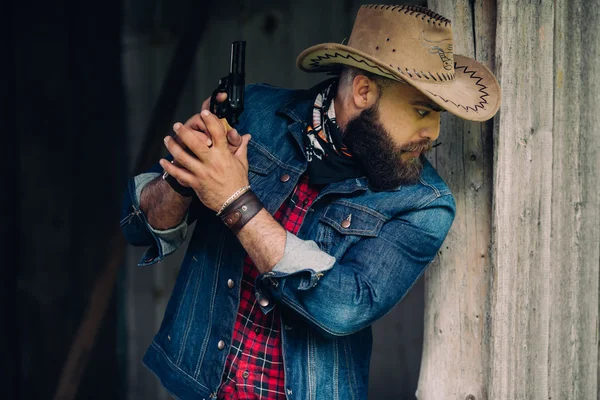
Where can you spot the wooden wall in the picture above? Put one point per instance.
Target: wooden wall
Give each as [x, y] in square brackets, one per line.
[525, 323]
[276, 32]
[546, 203]
[454, 362]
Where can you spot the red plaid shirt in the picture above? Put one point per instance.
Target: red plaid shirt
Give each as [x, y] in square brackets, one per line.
[254, 367]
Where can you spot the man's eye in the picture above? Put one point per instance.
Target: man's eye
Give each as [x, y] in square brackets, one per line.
[423, 113]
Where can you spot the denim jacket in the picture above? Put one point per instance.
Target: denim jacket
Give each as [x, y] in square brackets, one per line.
[334, 280]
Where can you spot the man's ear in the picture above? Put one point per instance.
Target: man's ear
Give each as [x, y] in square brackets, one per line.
[364, 92]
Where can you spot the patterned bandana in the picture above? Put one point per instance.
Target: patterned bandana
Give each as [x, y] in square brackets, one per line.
[328, 158]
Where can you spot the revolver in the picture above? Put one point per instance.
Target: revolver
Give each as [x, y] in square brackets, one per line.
[228, 111]
[233, 84]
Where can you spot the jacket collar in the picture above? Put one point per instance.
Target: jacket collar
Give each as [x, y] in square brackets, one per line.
[299, 111]
[299, 108]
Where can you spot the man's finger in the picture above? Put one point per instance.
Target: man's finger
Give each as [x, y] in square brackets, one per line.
[221, 97]
[189, 138]
[195, 122]
[201, 136]
[234, 138]
[183, 177]
[215, 128]
[242, 152]
[180, 156]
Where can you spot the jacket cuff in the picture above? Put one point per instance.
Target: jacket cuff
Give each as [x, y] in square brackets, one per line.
[303, 258]
[166, 241]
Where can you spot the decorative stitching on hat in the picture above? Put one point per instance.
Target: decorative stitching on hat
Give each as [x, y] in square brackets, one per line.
[482, 89]
[314, 62]
[417, 11]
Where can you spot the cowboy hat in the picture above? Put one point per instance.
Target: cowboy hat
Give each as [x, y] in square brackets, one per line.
[412, 44]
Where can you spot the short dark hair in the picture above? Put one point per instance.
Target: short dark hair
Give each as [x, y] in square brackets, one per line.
[348, 73]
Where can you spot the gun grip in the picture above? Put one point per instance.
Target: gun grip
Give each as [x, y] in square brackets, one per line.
[226, 124]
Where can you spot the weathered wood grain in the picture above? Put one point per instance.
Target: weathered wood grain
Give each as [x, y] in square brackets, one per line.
[521, 299]
[540, 339]
[454, 362]
[575, 207]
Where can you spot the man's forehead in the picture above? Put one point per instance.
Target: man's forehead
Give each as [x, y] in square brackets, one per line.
[412, 96]
[404, 94]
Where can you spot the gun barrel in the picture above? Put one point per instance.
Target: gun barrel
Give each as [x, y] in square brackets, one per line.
[238, 57]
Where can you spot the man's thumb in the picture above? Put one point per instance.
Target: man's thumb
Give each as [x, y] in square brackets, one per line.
[234, 138]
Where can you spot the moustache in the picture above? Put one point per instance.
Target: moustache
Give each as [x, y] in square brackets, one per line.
[422, 146]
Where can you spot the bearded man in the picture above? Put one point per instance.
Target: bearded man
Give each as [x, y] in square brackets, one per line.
[312, 225]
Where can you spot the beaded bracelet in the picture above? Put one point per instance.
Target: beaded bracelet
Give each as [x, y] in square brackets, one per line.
[234, 196]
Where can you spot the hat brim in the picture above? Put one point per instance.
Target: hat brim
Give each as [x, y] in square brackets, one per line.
[474, 94]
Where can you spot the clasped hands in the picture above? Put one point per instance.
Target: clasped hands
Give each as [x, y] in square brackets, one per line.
[211, 165]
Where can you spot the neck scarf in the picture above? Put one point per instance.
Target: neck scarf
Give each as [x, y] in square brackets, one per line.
[328, 158]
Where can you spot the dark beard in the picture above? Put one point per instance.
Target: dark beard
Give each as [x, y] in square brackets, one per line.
[378, 156]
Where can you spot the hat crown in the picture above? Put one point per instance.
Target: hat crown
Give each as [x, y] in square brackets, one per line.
[413, 40]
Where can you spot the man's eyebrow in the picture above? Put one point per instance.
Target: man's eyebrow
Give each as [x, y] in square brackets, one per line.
[427, 104]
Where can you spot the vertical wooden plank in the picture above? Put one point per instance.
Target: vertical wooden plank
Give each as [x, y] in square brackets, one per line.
[454, 363]
[522, 299]
[574, 286]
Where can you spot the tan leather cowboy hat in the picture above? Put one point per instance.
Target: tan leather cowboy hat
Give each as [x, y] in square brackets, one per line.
[412, 44]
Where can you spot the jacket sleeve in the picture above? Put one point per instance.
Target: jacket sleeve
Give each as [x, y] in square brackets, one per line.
[340, 297]
[139, 232]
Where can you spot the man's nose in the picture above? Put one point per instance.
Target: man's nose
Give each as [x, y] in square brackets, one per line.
[431, 131]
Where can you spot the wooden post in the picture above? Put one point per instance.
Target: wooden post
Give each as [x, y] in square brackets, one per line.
[538, 299]
[546, 208]
[522, 201]
[454, 363]
[575, 230]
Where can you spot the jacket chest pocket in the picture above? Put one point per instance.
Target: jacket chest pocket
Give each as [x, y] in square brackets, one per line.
[260, 164]
[343, 224]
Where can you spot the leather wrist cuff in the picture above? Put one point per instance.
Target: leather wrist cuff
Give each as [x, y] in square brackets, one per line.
[179, 188]
[242, 210]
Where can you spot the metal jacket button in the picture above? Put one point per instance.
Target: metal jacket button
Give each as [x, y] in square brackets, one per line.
[263, 302]
[221, 345]
[346, 223]
[245, 374]
[284, 178]
[230, 283]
